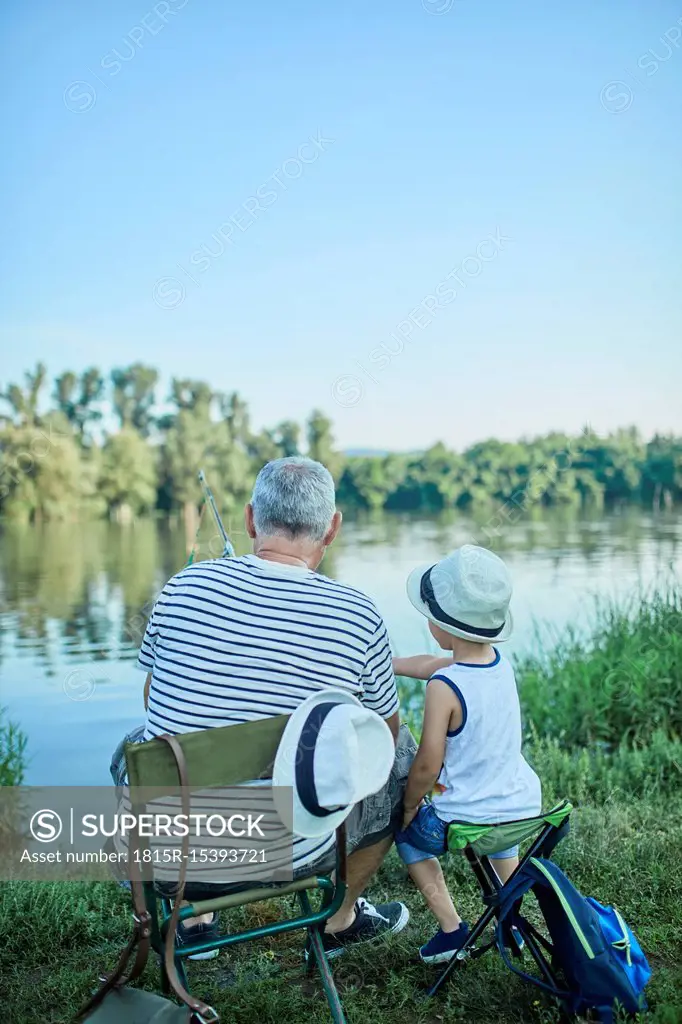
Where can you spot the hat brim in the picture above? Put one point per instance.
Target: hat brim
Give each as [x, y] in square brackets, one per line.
[414, 581]
[302, 822]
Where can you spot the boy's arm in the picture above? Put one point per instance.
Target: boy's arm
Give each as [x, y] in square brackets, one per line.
[440, 705]
[422, 666]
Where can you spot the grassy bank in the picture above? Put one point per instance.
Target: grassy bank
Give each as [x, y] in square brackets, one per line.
[603, 728]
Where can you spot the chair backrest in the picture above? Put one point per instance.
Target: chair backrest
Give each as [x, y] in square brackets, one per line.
[224, 756]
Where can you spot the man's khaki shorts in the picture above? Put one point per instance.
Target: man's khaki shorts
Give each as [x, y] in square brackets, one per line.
[377, 816]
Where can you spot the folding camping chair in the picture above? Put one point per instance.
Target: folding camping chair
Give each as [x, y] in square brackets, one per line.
[478, 842]
[221, 757]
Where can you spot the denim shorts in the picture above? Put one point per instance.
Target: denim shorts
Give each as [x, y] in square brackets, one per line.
[427, 836]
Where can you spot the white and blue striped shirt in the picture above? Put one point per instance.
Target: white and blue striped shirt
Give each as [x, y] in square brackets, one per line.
[235, 640]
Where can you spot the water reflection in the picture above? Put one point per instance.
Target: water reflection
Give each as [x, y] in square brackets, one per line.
[74, 600]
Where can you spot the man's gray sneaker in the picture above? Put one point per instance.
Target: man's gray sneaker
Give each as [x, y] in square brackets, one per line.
[371, 922]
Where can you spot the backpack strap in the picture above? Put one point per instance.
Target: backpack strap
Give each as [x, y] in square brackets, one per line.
[139, 944]
[526, 880]
[140, 940]
[202, 1010]
[504, 953]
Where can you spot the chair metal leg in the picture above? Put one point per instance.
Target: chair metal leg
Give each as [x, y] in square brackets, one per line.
[326, 976]
[319, 956]
[157, 939]
[311, 962]
[152, 907]
[327, 898]
[165, 983]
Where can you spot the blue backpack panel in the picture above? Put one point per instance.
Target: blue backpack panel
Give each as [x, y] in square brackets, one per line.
[601, 960]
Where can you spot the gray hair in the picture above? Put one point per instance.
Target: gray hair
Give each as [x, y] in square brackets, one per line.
[293, 497]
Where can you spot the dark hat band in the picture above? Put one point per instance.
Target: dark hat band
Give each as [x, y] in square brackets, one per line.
[305, 755]
[428, 596]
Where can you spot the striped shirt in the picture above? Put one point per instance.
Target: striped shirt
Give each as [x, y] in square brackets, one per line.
[235, 640]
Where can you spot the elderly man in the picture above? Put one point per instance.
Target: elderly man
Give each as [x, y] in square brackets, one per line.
[234, 640]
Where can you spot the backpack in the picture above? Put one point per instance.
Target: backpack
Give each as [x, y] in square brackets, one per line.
[600, 959]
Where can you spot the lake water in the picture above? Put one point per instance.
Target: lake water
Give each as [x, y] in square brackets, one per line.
[73, 600]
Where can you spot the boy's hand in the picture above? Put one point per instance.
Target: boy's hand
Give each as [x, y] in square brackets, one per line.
[409, 814]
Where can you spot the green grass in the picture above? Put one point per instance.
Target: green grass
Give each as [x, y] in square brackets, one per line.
[622, 684]
[12, 752]
[621, 768]
[55, 937]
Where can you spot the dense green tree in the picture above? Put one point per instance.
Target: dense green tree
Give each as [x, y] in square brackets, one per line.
[127, 479]
[287, 436]
[42, 472]
[321, 443]
[194, 395]
[429, 480]
[198, 437]
[23, 402]
[235, 412]
[77, 398]
[662, 474]
[262, 448]
[51, 465]
[370, 482]
[613, 463]
[190, 443]
[134, 396]
[236, 471]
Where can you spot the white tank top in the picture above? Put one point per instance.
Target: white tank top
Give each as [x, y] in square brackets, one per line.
[484, 775]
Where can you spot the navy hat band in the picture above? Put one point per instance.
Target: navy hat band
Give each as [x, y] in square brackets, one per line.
[305, 756]
[427, 594]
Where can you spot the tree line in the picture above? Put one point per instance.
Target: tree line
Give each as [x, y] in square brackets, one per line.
[60, 458]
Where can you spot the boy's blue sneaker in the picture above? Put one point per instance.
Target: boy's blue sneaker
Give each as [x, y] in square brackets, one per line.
[444, 945]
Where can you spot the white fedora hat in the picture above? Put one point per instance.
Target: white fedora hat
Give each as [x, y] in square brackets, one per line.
[466, 594]
[333, 753]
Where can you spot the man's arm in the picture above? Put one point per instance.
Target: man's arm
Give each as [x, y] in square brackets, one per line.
[379, 692]
[394, 725]
[440, 705]
[422, 666]
[145, 658]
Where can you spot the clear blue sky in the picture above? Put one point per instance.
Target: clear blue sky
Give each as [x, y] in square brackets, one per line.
[494, 114]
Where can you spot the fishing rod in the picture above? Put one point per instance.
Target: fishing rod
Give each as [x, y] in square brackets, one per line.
[228, 550]
[137, 735]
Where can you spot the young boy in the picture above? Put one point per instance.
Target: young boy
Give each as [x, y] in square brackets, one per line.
[469, 765]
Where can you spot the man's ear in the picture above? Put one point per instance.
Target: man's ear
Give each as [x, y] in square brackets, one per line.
[248, 520]
[333, 530]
